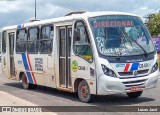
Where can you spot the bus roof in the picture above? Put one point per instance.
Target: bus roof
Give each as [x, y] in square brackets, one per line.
[70, 17]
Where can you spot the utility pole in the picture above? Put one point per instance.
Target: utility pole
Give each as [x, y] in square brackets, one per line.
[35, 10]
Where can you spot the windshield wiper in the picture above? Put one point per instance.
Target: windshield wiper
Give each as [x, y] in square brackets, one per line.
[145, 52]
[126, 35]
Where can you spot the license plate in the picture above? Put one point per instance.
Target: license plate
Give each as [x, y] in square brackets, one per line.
[136, 88]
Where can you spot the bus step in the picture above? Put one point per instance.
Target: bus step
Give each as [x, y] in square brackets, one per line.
[12, 78]
[62, 88]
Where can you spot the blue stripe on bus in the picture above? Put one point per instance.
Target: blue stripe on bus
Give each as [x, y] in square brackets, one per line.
[134, 66]
[27, 68]
[19, 26]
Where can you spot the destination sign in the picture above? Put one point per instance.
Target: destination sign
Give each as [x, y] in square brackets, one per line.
[98, 24]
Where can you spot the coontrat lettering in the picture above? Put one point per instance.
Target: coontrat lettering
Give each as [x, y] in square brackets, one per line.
[113, 24]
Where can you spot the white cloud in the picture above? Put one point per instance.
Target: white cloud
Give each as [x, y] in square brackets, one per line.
[144, 8]
[5, 8]
[50, 10]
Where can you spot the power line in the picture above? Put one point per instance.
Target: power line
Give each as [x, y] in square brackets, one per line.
[146, 15]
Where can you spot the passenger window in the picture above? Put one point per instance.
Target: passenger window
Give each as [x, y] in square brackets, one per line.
[81, 43]
[46, 41]
[4, 36]
[32, 43]
[21, 41]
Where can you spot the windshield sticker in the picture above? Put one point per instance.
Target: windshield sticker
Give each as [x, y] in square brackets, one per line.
[100, 43]
[142, 40]
[74, 66]
[101, 46]
[103, 24]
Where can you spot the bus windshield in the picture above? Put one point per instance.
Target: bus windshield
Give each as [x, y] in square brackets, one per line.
[121, 35]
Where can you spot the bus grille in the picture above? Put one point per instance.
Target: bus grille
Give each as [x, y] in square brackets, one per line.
[139, 72]
[129, 84]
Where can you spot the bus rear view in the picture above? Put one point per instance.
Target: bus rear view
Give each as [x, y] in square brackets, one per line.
[127, 60]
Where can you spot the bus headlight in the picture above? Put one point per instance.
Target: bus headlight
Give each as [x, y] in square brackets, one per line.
[155, 67]
[108, 71]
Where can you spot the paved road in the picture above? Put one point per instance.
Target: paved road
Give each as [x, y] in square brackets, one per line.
[44, 96]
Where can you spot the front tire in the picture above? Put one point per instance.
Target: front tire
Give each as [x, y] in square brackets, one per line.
[25, 83]
[84, 92]
[134, 94]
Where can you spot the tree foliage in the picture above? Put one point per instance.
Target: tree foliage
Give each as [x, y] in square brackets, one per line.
[153, 24]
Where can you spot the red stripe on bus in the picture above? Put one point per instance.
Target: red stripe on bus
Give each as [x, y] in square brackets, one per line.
[127, 67]
[31, 69]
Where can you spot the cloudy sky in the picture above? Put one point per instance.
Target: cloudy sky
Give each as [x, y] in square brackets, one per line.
[20, 11]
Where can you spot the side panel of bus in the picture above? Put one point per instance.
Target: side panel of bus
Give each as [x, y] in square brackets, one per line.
[4, 55]
[37, 61]
[82, 59]
[70, 67]
[70, 61]
[8, 62]
[62, 42]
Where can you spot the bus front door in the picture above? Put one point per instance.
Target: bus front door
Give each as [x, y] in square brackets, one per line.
[65, 34]
[11, 54]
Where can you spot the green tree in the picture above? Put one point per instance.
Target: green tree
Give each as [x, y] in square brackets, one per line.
[153, 24]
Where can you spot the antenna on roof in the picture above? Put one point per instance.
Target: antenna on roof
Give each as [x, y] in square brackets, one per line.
[35, 16]
[75, 12]
[35, 10]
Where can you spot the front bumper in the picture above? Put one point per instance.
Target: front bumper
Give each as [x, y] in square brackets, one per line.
[109, 85]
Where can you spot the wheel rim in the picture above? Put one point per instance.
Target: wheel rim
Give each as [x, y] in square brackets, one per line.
[84, 91]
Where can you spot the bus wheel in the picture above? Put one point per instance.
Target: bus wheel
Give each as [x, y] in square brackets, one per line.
[25, 83]
[134, 94]
[84, 92]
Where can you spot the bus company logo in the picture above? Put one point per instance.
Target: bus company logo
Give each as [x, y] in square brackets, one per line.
[135, 73]
[74, 66]
[120, 65]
